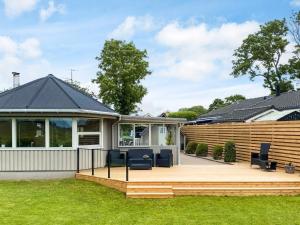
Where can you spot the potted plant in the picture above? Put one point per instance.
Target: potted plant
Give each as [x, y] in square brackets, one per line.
[289, 168]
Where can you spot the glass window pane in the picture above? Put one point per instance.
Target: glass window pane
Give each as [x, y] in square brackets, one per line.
[171, 134]
[5, 133]
[30, 133]
[141, 135]
[88, 125]
[60, 132]
[163, 134]
[89, 140]
[126, 135]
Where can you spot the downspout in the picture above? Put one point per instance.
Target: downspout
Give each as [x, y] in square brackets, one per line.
[112, 131]
[179, 143]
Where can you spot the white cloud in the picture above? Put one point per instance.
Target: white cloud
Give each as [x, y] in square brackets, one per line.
[31, 48]
[22, 56]
[173, 99]
[197, 51]
[131, 25]
[295, 3]
[8, 46]
[15, 8]
[46, 13]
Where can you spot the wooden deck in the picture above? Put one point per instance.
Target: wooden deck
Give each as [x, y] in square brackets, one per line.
[221, 180]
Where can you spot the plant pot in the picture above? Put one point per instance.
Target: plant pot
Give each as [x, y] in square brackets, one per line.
[289, 169]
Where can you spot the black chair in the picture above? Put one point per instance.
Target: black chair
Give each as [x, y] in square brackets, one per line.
[260, 158]
[140, 158]
[164, 158]
[116, 158]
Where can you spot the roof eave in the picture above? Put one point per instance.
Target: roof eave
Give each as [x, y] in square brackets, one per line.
[81, 111]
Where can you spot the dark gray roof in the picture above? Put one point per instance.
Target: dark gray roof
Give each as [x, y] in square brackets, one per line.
[49, 93]
[243, 110]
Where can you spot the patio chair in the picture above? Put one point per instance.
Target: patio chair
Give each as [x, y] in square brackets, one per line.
[116, 158]
[164, 158]
[260, 158]
[140, 158]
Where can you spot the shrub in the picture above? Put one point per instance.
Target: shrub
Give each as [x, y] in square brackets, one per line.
[229, 152]
[217, 152]
[202, 149]
[191, 148]
[189, 115]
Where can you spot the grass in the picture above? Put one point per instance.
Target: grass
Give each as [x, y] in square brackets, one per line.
[80, 202]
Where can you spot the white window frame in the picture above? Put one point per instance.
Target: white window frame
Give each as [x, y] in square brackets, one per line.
[12, 133]
[15, 136]
[100, 133]
[150, 133]
[48, 134]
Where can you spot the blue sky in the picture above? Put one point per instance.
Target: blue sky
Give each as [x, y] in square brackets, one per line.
[189, 43]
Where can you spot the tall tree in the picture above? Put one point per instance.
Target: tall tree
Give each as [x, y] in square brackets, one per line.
[294, 28]
[199, 109]
[219, 103]
[78, 86]
[122, 67]
[260, 55]
[216, 104]
[234, 98]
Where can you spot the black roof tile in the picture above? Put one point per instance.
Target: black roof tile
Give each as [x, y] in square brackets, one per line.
[49, 93]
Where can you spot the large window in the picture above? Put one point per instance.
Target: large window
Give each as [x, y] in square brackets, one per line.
[139, 134]
[89, 132]
[126, 137]
[163, 134]
[5, 133]
[60, 132]
[31, 133]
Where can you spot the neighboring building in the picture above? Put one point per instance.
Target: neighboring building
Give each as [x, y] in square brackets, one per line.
[284, 107]
[43, 122]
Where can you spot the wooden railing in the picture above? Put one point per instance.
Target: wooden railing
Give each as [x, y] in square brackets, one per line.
[284, 137]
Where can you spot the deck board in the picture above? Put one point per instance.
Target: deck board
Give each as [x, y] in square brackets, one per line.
[217, 179]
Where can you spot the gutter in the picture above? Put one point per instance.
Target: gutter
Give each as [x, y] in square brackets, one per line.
[58, 111]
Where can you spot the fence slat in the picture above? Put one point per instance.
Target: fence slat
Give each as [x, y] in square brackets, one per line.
[284, 137]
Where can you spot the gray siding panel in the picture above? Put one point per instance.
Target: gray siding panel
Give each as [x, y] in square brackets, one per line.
[48, 160]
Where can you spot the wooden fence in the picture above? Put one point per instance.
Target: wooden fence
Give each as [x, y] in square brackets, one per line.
[283, 136]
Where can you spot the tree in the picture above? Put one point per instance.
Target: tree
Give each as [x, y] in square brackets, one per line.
[260, 55]
[219, 103]
[199, 109]
[234, 98]
[121, 68]
[216, 104]
[189, 115]
[294, 29]
[78, 86]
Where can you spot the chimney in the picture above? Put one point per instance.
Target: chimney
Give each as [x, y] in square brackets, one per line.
[16, 79]
[277, 89]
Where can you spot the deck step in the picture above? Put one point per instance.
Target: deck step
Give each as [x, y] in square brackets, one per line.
[150, 195]
[237, 191]
[149, 188]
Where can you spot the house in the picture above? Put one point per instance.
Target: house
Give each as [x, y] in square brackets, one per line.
[43, 122]
[282, 107]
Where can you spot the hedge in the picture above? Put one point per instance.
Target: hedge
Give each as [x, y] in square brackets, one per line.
[191, 147]
[202, 149]
[229, 152]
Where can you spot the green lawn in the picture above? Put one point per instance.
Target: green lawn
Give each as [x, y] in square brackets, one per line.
[80, 202]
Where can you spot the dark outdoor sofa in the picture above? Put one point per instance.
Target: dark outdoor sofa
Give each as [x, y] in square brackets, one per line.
[262, 158]
[140, 159]
[164, 158]
[116, 158]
